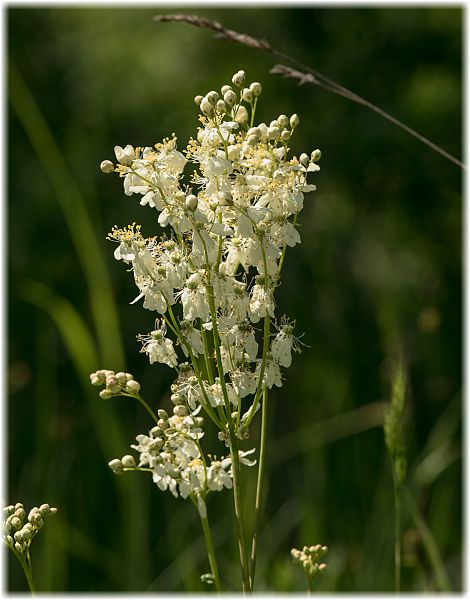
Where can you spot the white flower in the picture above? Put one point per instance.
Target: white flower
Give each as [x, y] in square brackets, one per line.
[159, 348]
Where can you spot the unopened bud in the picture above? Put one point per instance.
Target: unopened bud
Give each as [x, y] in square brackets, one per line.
[283, 120]
[105, 394]
[177, 399]
[180, 410]
[256, 88]
[18, 547]
[115, 465]
[285, 135]
[230, 97]
[303, 159]
[294, 121]
[206, 107]
[133, 386]
[212, 97]
[241, 115]
[273, 133]
[198, 99]
[128, 461]
[239, 78]
[247, 95]
[162, 414]
[44, 509]
[316, 155]
[107, 166]
[224, 89]
[221, 106]
[191, 202]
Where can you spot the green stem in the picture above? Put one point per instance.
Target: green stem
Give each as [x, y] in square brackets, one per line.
[396, 499]
[259, 485]
[239, 513]
[28, 574]
[211, 553]
[430, 545]
[309, 584]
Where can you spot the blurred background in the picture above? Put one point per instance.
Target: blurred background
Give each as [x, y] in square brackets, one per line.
[379, 269]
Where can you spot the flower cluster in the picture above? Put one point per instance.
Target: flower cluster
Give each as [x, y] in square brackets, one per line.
[116, 384]
[172, 453]
[309, 559]
[211, 279]
[18, 531]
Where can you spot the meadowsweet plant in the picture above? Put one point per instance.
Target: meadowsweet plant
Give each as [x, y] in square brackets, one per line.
[19, 530]
[228, 205]
[309, 559]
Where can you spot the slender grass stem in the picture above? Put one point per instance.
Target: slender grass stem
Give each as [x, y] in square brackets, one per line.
[397, 503]
[259, 485]
[211, 553]
[429, 543]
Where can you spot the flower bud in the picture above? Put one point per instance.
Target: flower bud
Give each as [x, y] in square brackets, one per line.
[163, 424]
[206, 107]
[285, 135]
[20, 513]
[133, 386]
[105, 394]
[273, 133]
[212, 97]
[221, 106]
[247, 95]
[121, 378]
[230, 97]
[198, 99]
[26, 533]
[294, 121]
[233, 152]
[180, 410]
[239, 78]
[115, 465]
[113, 385]
[107, 166]
[283, 120]
[162, 414]
[316, 155]
[252, 140]
[191, 202]
[156, 431]
[225, 88]
[177, 399]
[94, 380]
[256, 88]
[16, 523]
[303, 159]
[18, 547]
[44, 509]
[241, 115]
[128, 461]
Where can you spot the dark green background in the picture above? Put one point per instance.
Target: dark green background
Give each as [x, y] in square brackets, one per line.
[379, 268]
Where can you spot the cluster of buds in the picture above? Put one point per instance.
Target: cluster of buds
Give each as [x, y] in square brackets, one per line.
[18, 530]
[309, 559]
[230, 102]
[116, 384]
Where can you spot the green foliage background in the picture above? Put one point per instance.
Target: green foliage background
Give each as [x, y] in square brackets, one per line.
[379, 268]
